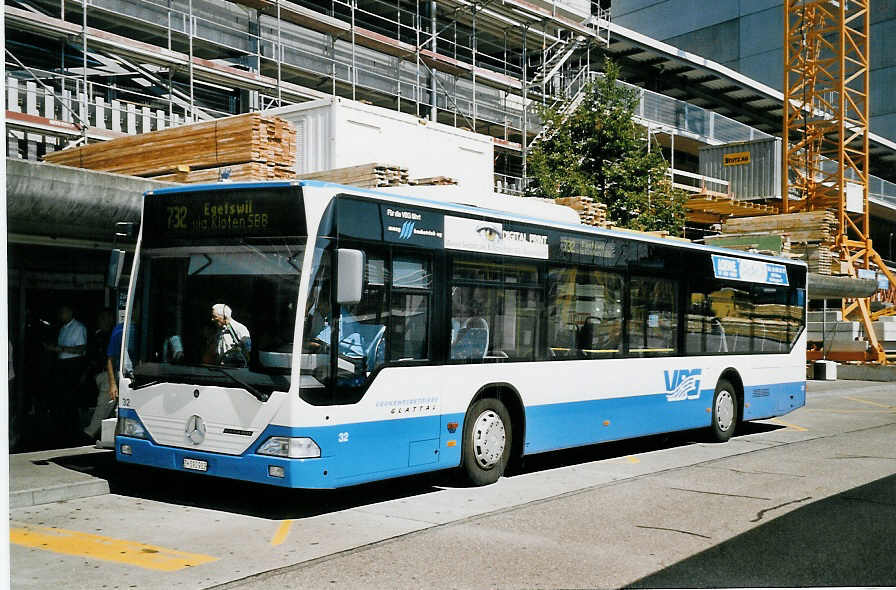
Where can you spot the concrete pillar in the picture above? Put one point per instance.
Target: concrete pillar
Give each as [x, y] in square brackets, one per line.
[82, 109]
[31, 139]
[116, 115]
[131, 118]
[66, 106]
[99, 113]
[145, 120]
[50, 113]
[12, 104]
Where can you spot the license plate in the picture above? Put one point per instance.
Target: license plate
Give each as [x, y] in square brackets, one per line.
[196, 464]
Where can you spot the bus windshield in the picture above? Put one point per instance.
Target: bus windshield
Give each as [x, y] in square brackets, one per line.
[221, 315]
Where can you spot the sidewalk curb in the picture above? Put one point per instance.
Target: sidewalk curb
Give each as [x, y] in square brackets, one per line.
[50, 494]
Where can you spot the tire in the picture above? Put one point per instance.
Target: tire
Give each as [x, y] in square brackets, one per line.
[488, 438]
[724, 411]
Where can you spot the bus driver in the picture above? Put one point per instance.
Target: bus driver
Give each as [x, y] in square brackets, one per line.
[231, 343]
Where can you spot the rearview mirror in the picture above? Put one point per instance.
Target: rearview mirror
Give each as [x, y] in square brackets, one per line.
[350, 280]
[126, 230]
[116, 264]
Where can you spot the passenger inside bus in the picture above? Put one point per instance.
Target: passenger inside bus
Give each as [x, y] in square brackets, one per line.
[470, 330]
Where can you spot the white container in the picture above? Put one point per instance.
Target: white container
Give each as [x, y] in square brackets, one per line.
[337, 132]
[107, 436]
[825, 370]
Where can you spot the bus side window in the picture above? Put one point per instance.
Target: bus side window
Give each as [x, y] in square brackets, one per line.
[584, 313]
[411, 288]
[471, 334]
[653, 319]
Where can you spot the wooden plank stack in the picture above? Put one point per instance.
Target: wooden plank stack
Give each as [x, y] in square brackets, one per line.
[808, 226]
[247, 171]
[432, 181]
[364, 175]
[807, 235]
[763, 243]
[818, 257]
[590, 212]
[710, 208]
[241, 139]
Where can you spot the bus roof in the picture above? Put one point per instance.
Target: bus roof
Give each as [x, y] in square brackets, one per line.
[452, 206]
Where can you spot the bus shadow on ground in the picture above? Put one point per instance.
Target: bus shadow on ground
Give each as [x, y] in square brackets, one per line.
[845, 540]
[627, 447]
[251, 499]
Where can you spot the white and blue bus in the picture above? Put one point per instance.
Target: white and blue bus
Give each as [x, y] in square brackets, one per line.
[359, 336]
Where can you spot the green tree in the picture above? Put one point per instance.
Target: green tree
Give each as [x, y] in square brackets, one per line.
[597, 150]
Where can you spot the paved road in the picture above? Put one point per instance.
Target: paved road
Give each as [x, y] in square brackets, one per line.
[809, 499]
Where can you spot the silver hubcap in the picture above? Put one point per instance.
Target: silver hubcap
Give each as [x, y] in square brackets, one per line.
[724, 410]
[488, 439]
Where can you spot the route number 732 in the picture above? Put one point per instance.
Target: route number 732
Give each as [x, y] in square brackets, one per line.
[177, 217]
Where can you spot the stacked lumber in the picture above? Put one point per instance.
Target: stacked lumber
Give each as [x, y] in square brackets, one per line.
[247, 171]
[210, 144]
[807, 226]
[806, 236]
[653, 233]
[762, 243]
[364, 175]
[432, 181]
[818, 257]
[711, 208]
[590, 212]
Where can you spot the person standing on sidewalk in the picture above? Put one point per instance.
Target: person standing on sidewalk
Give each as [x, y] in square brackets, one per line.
[71, 363]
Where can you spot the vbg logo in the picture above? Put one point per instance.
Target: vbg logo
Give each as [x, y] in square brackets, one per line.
[407, 230]
[682, 384]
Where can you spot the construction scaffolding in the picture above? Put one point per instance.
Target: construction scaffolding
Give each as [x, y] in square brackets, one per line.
[826, 96]
[128, 66]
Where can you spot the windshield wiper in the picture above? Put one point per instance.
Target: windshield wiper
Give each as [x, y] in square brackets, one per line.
[260, 395]
[139, 385]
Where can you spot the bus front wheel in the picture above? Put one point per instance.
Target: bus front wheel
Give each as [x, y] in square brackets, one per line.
[724, 411]
[487, 441]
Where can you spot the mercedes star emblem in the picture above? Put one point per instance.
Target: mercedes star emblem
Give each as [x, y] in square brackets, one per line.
[195, 429]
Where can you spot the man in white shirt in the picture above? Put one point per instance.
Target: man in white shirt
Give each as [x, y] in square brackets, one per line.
[232, 343]
[71, 362]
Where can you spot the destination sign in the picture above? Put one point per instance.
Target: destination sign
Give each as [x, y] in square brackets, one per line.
[753, 271]
[222, 215]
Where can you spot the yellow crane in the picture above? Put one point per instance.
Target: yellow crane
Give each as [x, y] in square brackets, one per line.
[826, 98]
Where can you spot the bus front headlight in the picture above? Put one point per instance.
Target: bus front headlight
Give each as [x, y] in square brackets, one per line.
[129, 427]
[291, 447]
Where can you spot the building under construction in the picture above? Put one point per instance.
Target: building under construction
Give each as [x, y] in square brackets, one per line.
[84, 71]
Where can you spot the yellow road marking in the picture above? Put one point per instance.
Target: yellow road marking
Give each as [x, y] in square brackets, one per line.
[788, 425]
[627, 459]
[106, 548]
[282, 533]
[870, 403]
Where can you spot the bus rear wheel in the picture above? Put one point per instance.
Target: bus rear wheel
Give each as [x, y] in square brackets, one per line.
[488, 437]
[724, 411]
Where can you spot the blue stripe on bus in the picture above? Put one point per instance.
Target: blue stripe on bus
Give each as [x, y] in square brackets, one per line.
[392, 448]
[559, 426]
[765, 401]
